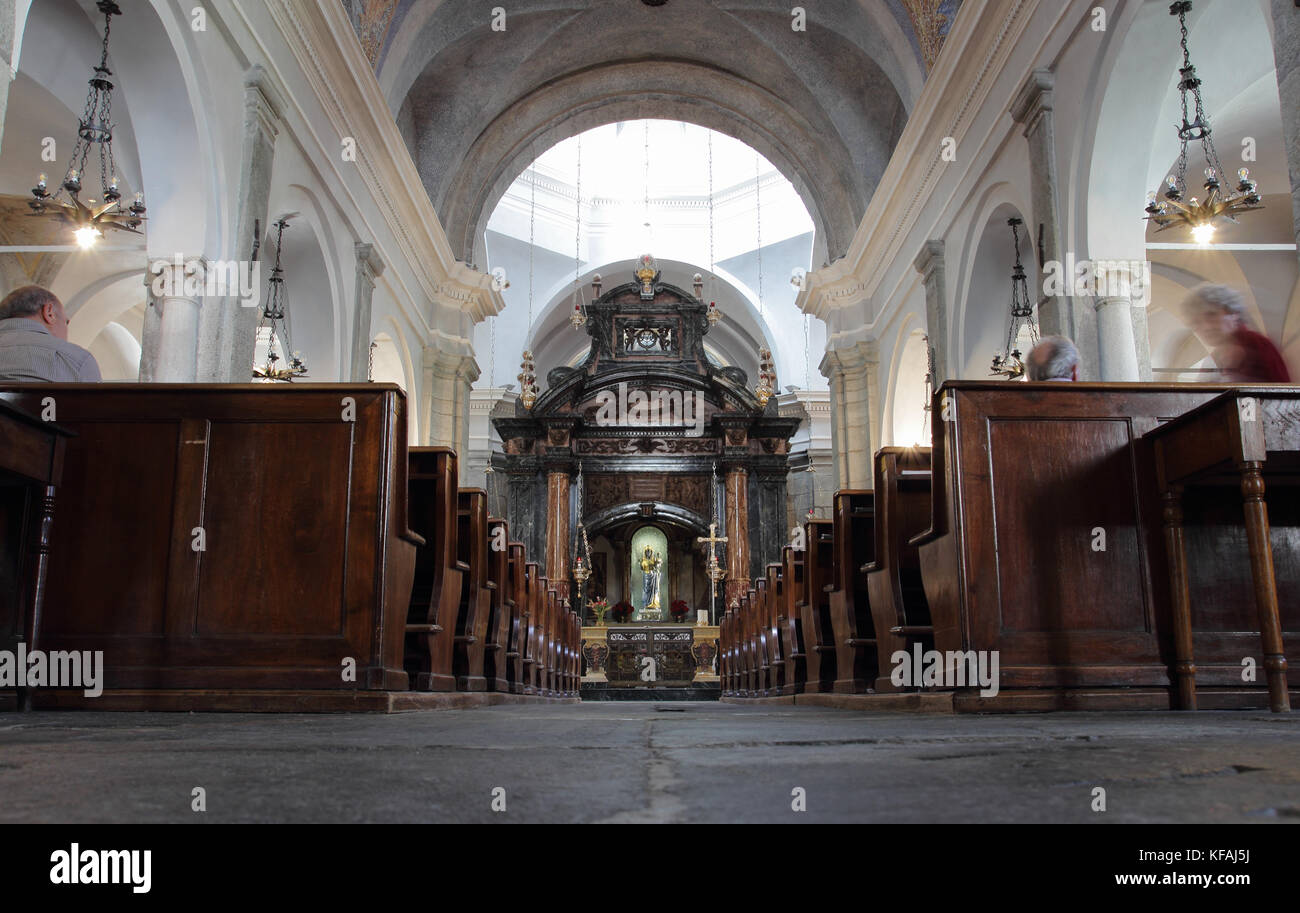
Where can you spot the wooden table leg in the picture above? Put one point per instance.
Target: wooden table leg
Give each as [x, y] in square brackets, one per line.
[1184, 658]
[1261, 569]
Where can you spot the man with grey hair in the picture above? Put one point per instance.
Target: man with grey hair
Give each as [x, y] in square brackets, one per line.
[1054, 358]
[1218, 316]
[34, 341]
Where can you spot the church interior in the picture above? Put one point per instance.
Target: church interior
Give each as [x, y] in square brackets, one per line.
[780, 399]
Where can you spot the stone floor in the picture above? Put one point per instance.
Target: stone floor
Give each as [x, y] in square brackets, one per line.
[693, 762]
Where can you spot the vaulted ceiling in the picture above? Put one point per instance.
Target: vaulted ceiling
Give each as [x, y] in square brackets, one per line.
[477, 104]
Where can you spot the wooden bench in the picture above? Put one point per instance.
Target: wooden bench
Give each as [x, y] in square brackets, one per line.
[899, 610]
[850, 608]
[230, 547]
[496, 650]
[790, 620]
[815, 607]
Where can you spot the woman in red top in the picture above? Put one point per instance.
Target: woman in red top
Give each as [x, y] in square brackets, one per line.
[1218, 316]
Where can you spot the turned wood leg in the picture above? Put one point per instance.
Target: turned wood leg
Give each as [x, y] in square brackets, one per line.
[33, 626]
[1184, 658]
[1261, 569]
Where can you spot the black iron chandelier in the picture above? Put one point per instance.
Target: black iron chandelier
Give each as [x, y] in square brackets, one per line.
[1010, 363]
[1177, 209]
[273, 319]
[88, 219]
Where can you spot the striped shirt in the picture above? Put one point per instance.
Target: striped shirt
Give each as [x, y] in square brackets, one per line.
[30, 352]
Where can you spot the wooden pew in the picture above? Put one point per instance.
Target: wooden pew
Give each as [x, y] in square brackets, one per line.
[898, 604]
[531, 625]
[763, 633]
[850, 607]
[757, 643]
[792, 644]
[477, 591]
[771, 613]
[517, 645]
[553, 610]
[302, 567]
[439, 572]
[1026, 474]
[815, 607]
[724, 654]
[495, 658]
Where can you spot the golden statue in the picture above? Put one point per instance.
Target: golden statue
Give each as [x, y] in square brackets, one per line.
[650, 563]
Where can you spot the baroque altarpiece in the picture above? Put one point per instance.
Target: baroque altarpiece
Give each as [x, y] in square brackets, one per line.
[647, 440]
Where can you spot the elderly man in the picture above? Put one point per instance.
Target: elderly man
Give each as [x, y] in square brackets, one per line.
[1054, 358]
[34, 341]
[1218, 316]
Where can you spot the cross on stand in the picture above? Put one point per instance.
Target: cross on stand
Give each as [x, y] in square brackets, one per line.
[715, 570]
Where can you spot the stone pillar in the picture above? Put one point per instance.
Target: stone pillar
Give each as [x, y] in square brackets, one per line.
[930, 264]
[178, 326]
[1120, 291]
[1057, 315]
[369, 268]
[1286, 57]
[467, 372]
[737, 533]
[8, 21]
[852, 372]
[150, 333]
[228, 330]
[445, 402]
[557, 528]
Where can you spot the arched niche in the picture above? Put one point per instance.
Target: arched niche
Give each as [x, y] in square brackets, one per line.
[986, 302]
[909, 422]
[392, 365]
[311, 314]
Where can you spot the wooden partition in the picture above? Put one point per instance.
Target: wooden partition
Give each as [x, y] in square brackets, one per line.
[815, 607]
[1046, 545]
[230, 547]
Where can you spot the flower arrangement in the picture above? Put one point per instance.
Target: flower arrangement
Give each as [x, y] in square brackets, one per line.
[600, 608]
[679, 609]
[622, 612]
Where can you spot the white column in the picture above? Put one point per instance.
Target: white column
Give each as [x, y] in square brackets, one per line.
[1286, 56]
[852, 372]
[930, 263]
[445, 406]
[229, 329]
[1120, 292]
[180, 295]
[1057, 315]
[150, 333]
[369, 268]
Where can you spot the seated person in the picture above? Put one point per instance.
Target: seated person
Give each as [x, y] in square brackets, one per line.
[34, 341]
[1054, 358]
[1218, 316]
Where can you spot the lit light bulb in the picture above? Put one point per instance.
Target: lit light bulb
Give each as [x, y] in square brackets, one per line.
[1244, 175]
[1172, 182]
[1151, 198]
[1203, 234]
[43, 181]
[86, 237]
[1211, 175]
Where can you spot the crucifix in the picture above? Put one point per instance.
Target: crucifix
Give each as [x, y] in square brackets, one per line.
[715, 570]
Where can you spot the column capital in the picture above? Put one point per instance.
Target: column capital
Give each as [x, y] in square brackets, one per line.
[370, 266]
[849, 359]
[262, 100]
[1034, 99]
[930, 259]
[1127, 280]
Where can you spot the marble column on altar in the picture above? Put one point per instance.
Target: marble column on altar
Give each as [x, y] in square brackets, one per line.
[557, 529]
[737, 533]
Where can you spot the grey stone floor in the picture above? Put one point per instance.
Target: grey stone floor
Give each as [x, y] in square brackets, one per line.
[625, 762]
